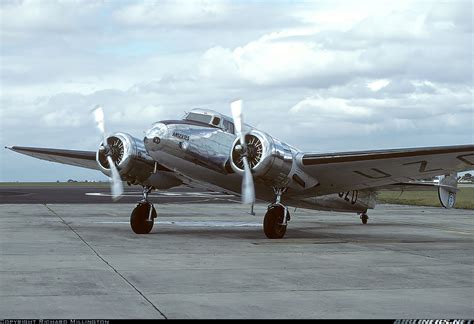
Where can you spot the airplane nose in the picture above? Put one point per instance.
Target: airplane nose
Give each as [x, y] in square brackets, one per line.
[155, 136]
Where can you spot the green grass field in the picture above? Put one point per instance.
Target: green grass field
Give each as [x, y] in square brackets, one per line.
[464, 198]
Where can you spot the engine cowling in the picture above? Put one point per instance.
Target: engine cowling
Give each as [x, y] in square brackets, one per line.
[129, 155]
[269, 159]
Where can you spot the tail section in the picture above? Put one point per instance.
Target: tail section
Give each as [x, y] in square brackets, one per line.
[447, 189]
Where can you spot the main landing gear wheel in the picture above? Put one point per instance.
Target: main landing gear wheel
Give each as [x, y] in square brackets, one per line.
[364, 218]
[274, 224]
[140, 219]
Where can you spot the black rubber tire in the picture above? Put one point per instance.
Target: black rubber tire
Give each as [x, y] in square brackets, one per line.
[364, 218]
[271, 223]
[139, 218]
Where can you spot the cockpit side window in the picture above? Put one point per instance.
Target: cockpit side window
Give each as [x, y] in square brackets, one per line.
[228, 126]
[216, 121]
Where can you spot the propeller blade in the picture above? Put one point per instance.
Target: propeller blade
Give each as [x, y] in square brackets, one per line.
[99, 120]
[116, 185]
[236, 107]
[248, 190]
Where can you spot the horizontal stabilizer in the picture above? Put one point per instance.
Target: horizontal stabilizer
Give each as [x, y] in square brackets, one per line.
[448, 186]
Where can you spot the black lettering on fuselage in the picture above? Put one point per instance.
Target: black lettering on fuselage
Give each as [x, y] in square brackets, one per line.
[181, 136]
[354, 196]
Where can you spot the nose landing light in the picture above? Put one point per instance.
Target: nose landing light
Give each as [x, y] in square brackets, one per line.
[154, 137]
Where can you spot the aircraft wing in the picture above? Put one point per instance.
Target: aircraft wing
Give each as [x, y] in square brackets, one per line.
[85, 159]
[339, 172]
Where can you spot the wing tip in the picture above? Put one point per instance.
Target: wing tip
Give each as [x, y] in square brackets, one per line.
[9, 147]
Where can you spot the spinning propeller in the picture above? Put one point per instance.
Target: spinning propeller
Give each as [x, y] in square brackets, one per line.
[115, 180]
[248, 190]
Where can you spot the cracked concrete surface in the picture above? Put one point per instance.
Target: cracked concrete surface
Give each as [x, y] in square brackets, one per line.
[213, 261]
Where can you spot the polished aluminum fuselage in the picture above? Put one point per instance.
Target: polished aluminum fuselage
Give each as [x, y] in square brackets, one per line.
[201, 153]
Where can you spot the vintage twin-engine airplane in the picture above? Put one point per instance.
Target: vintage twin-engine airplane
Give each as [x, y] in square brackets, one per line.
[228, 155]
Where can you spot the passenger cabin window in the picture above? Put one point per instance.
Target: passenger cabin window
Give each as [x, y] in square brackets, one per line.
[228, 126]
[206, 119]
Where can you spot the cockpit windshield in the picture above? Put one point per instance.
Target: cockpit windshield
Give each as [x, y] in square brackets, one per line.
[206, 119]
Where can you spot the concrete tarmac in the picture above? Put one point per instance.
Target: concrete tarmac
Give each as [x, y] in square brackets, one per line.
[213, 261]
[100, 194]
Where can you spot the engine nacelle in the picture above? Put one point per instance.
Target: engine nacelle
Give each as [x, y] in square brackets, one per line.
[130, 156]
[269, 159]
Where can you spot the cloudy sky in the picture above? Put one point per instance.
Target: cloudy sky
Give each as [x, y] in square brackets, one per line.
[323, 76]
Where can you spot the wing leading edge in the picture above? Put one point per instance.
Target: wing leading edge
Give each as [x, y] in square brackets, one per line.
[337, 172]
[85, 159]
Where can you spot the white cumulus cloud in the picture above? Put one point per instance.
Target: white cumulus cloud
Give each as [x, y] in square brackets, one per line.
[322, 76]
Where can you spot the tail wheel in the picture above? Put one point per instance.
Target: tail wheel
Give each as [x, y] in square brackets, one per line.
[364, 218]
[139, 218]
[272, 223]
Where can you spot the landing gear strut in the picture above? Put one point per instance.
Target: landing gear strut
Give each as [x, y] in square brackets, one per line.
[143, 215]
[364, 217]
[277, 217]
